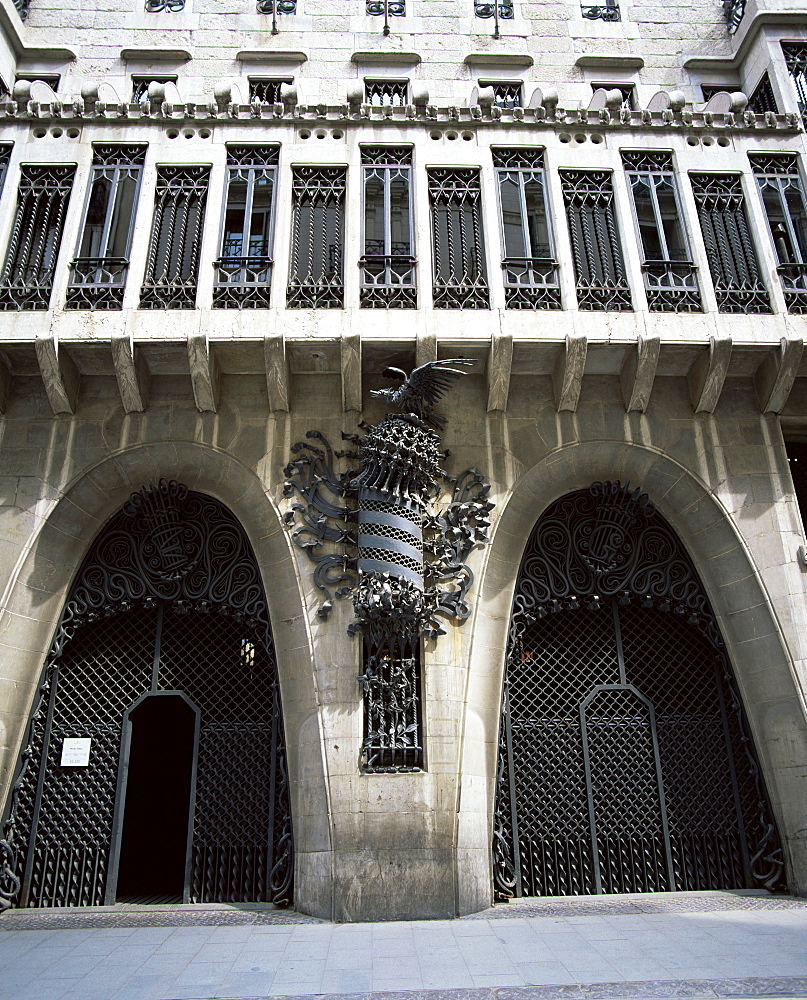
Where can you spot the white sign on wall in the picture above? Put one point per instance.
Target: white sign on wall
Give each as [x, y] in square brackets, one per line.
[76, 751]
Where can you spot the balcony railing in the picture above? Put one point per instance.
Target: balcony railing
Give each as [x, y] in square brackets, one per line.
[733, 10]
[531, 283]
[794, 283]
[388, 281]
[22, 8]
[608, 11]
[672, 286]
[242, 282]
[97, 283]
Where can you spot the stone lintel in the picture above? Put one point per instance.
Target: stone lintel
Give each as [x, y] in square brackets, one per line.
[500, 364]
[5, 385]
[59, 374]
[707, 374]
[131, 374]
[639, 372]
[204, 373]
[567, 375]
[775, 376]
[350, 350]
[277, 372]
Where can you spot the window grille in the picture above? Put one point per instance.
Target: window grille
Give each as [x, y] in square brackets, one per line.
[266, 90]
[158, 6]
[5, 156]
[21, 7]
[670, 276]
[388, 8]
[608, 11]
[785, 205]
[596, 251]
[763, 99]
[244, 269]
[624, 88]
[506, 95]
[483, 9]
[51, 79]
[172, 267]
[393, 741]
[708, 90]
[317, 241]
[36, 234]
[386, 93]
[729, 249]
[387, 264]
[733, 11]
[530, 267]
[796, 62]
[140, 85]
[98, 272]
[276, 6]
[460, 280]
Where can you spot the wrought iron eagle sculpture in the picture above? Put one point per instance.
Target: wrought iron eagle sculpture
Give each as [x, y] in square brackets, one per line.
[422, 388]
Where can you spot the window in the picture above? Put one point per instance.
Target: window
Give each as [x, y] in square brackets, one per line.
[530, 268]
[387, 264]
[317, 238]
[5, 156]
[140, 85]
[669, 274]
[386, 93]
[98, 273]
[51, 79]
[710, 89]
[506, 95]
[36, 234]
[244, 269]
[796, 62]
[484, 9]
[460, 280]
[267, 89]
[626, 89]
[785, 206]
[732, 259]
[172, 266]
[607, 11]
[393, 737]
[596, 251]
[762, 99]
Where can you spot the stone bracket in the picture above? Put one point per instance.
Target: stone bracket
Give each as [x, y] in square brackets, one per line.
[707, 374]
[131, 374]
[59, 374]
[500, 364]
[204, 373]
[425, 348]
[350, 350]
[639, 372]
[567, 375]
[277, 372]
[775, 376]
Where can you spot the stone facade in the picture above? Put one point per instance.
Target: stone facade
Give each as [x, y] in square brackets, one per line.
[694, 408]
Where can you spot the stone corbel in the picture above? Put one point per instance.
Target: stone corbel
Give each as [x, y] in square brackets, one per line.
[639, 372]
[707, 374]
[5, 385]
[277, 372]
[131, 374]
[567, 375]
[500, 364]
[59, 374]
[350, 350]
[775, 376]
[425, 348]
[204, 373]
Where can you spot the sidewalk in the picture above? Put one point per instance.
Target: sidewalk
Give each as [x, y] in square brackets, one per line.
[707, 944]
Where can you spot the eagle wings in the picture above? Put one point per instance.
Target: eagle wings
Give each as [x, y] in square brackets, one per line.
[422, 388]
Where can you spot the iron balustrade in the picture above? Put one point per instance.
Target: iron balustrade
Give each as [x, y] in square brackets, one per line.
[505, 95]
[97, 283]
[266, 90]
[386, 93]
[733, 11]
[608, 11]
[158, 6]
[796, 61]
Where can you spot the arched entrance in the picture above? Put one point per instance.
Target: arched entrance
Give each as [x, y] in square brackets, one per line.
[166, 627]
[625, 762]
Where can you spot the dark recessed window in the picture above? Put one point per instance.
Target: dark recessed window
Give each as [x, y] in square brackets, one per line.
[762, 99]
[626, 89]
[387, 263]
[140, 85]
[51, 79]
[266, 89]
[389, 93]
[507, 95]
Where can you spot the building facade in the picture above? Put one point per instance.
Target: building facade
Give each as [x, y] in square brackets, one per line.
[579, 668]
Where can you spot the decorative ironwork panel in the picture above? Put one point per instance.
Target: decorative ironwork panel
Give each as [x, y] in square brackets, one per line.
[169, 598]
[783, 197]
[36, 235]
[265, 90]
[276, 6]
[389, 8]
[506, 95]
[172, 266]
[625, 759]
[596, 250]
[98, 272]
[387, 264]
[317, 238]
[530, 268]
[21, 6]
[485, 9]
[158, 6]
[733, 11]
[729, 248]
[140, 85]
[670, 275]
[5, 155]
[460, 280]
[796, 61]
[391, 682]
[386, 93]
[244, 269]
[763, 100]
[608, 11]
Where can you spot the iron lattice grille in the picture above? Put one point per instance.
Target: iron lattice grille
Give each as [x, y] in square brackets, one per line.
[266, 90]
[729, 249]
[169, 598]
[140, 86]
[763, 100]
[392, 706]
[317, 236]
[625, 762]
[172, 266]
[386, 93]
[796, 62]
[596, 250]
[460, 280]
[36, 235]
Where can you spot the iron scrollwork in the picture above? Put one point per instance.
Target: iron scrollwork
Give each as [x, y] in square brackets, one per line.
[373, 534]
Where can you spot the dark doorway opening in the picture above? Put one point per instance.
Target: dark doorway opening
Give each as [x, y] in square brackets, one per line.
[156, 815]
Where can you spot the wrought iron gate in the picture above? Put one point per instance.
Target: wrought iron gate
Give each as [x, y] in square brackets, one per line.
[625, 761]
[168, 599]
